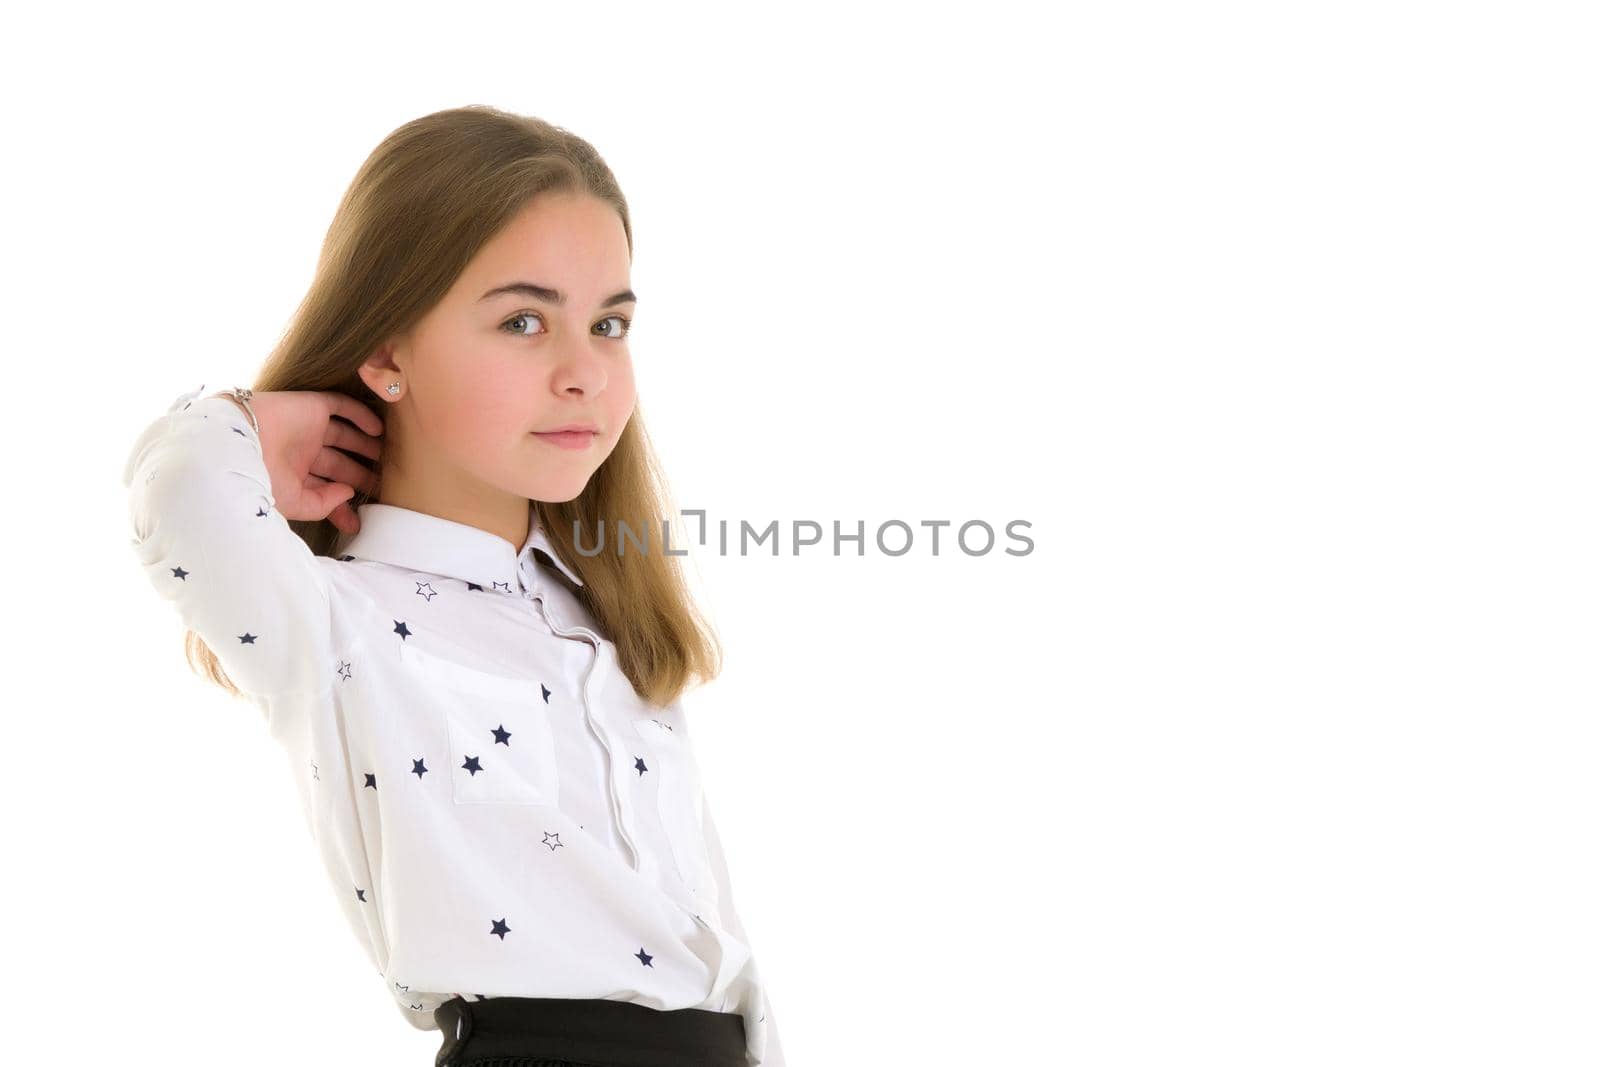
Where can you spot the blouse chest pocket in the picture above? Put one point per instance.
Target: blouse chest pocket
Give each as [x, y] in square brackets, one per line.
[497, 730]
[678, 799]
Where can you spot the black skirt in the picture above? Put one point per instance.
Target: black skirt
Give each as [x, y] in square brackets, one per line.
[558, 1032]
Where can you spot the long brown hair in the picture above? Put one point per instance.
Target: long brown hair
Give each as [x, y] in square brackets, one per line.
[423, 203]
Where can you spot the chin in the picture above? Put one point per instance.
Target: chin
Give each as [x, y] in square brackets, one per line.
[557, 494]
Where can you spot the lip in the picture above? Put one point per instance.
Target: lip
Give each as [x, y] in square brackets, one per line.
[572, 439]
[571, 427]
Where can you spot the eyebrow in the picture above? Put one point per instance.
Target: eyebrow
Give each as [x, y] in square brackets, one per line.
[554, 296]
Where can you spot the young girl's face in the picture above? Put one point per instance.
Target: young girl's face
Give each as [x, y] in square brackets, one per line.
[531, 338]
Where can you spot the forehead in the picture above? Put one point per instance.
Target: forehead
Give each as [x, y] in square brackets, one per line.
[569, 241]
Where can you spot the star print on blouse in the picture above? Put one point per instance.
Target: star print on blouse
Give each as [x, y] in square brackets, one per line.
[193, 518]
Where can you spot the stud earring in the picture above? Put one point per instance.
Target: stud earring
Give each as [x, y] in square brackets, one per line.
[394, 389]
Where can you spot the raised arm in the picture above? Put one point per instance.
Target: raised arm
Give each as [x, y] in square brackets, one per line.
[207, 532]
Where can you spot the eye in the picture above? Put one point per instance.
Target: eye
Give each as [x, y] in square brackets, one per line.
[616, 332]
[521, 316]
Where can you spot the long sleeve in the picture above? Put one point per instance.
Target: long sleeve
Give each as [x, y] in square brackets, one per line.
[210, 541]
[773, 1053]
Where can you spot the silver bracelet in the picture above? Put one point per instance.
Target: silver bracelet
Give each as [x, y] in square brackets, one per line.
[243, 396]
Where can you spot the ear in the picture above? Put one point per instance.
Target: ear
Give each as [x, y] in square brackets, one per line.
[382, 369]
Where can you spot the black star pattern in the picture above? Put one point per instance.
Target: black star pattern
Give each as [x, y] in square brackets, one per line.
[240, 431]
[530, 573]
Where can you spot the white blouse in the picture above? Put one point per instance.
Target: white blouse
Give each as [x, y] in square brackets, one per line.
[498, 810]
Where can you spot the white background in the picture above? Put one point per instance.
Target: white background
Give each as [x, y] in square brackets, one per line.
[1276, 321]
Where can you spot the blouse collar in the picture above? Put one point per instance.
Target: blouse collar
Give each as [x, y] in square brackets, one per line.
[418, 541]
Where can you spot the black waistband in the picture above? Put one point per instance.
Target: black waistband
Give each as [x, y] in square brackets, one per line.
[615, 1033]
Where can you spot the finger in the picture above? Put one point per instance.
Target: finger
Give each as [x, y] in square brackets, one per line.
[343, 435]
[348, 407]
[329, 495]
[338, 467]
[345, 519]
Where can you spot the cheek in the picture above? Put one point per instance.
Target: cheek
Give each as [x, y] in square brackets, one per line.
[620, 401]
[478, 408]
[620, 388]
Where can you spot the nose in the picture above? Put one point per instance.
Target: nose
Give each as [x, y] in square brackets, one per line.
[581, 372]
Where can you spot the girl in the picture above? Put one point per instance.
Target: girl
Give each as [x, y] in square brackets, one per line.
[483, 721]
